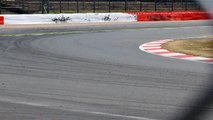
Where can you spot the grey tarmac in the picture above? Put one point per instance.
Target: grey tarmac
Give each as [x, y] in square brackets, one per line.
[98, 74]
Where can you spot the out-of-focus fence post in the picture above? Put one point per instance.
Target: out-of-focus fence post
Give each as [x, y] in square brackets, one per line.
[77, 6]
[141, 5]
[199, 7]
[182, 4]
[45, 6]
[125, 5]
[60, 6]
[0, 6]
[94, 5]
[186, 5]
[155, 5]
[172, 5]
[68, 4]
[48, 6]
[42, 6]
[22, 5]
[109, 5]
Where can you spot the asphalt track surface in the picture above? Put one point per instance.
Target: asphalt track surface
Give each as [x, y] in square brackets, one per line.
[98, 73]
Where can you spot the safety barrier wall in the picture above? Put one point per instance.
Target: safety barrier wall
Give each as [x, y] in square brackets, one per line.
[171, 16]
[68, 18]
[102, 17]
[1, 20]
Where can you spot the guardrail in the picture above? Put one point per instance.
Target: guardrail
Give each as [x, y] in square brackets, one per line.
[85, 6]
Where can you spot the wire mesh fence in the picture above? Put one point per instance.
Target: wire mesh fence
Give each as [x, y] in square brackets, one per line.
[86, 6]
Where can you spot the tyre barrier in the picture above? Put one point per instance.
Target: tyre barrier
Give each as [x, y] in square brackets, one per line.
[171, 16]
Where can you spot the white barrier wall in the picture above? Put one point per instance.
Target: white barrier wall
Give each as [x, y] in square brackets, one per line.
[69, 18]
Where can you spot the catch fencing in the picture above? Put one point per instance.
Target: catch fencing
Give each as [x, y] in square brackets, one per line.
[95, 6]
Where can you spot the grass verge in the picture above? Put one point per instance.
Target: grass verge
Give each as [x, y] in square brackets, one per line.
[196, 47]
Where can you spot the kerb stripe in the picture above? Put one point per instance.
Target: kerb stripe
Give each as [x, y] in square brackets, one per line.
[156, 48]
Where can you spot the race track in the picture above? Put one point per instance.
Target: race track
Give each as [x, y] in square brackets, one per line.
[98, 74]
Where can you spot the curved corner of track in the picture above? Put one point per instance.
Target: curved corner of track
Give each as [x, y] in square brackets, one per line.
[155, 48]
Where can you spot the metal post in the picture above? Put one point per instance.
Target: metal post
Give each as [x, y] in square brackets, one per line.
[45, 6]
[109, 5]
[125, 5]
[94, 5]
[199, 6]
[172, 5]
[77, 6]
[141, 5]
[60, 6]
[182, 5]
[186, 5]
[0, 6]
[42, 6]
[69, 5]
[48, 6]
[22, 5]
[155, 5]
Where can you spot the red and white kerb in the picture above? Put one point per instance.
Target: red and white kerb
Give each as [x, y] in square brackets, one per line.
[155, 48]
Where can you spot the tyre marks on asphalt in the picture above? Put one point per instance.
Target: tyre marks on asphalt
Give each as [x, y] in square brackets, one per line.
[155, 48]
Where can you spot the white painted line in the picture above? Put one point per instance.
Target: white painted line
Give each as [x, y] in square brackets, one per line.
[16, 101]
[113, 115]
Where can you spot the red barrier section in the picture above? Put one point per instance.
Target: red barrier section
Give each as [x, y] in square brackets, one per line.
[171, 16]
[1, 20]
